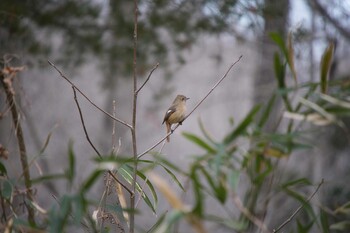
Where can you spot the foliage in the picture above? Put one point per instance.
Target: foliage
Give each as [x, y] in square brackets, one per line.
[246, 152]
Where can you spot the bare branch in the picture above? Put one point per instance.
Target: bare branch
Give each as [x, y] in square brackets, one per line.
[90, 142]
[133, 131]
[6, 77]
[212, 89]
[199, 103]
[149, 76]
[299, 208]
[82, 93]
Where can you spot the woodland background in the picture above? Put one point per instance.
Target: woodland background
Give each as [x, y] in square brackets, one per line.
[272, 137]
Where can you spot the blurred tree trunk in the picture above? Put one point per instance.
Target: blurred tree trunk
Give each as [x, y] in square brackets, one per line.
[275, 14]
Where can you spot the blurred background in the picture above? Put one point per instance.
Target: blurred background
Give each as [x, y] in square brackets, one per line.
[194, 42]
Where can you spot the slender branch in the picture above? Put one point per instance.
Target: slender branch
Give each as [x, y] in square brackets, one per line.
[82, 93]
[149, 76]
[83, 123]
[6, 81]
[199, 103]
[216, 84]
[133, 131]
[90, 142]
[299, 208]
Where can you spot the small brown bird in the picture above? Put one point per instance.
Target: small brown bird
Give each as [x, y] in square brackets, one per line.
[176, 113]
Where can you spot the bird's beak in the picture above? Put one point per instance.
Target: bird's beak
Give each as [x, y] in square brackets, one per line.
[187, 98]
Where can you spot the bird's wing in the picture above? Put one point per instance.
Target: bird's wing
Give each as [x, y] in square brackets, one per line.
[170, 111]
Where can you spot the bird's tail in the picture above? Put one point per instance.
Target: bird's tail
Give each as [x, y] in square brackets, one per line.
[168, 128]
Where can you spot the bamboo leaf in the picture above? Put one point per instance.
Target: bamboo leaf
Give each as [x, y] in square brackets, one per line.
[218, 190]
[91, 180]
[241, 128]
[3, 170]
[198, 208]
[324, 221]
[267, 111]
[200, 142]
[6, 189]
[301, 181]
[168, 193]
[341, 226]
[290, 57]
[169, 171]
[70, 172]
[325, 66]
[126, 172]
[48, 177]
[279, 41]
[205, 132]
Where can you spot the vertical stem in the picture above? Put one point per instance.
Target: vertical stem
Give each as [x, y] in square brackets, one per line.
[133, 131]
[21, 145]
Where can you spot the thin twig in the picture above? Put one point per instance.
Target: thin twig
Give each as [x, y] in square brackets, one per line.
[71, 83]
[90, 142]
[133, 130]
[83, 123]
[113, 130]
[199, 103]
[149, 76]
[248, 214]
[299, 208]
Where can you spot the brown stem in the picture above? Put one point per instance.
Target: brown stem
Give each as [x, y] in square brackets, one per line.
[133, 131]
[90, 142]
[21, 144]
[82, 93]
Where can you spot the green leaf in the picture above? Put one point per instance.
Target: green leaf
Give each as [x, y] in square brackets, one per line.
[126, 172]
[267, 111]
[200, 142]
[70, 172]
[79, 202]
[279, 41]
[158, 223]
[303, 200]
[237, 225]
[48, 177]
[304, 228]
[173, 176]
[325, 66]
[91, 180]
[170, 220]
[6, 189]
[302, 181]
[324, 221]
[344, 209]
[280, 71]
[218, 190]
[205, 132]
[46, 143]
[290, 57]
[341, 226]
[197, 188]
[242, 127]
[3, 170]
[233, 179]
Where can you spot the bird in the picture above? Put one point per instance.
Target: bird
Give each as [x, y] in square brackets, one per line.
[176, 113]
